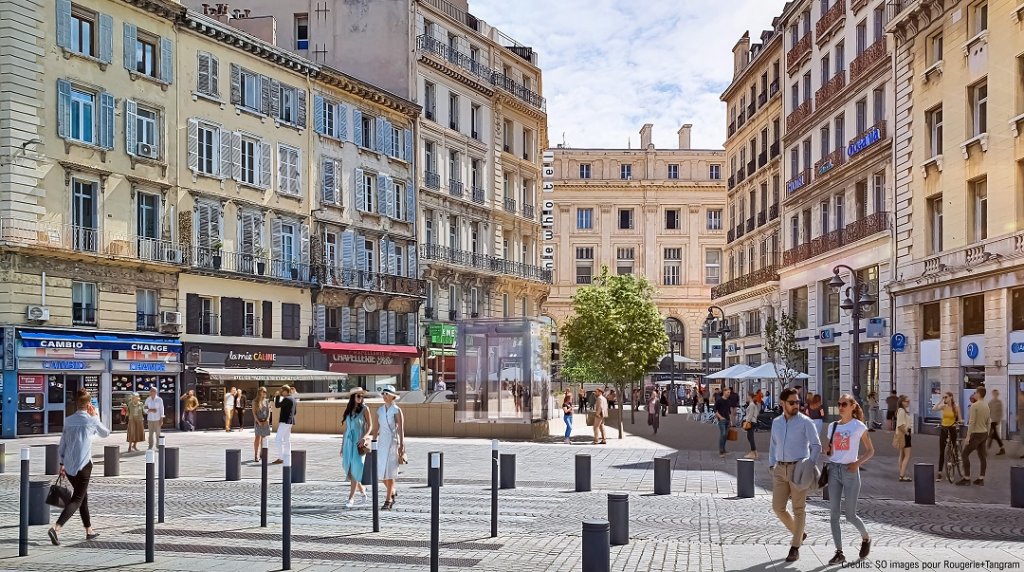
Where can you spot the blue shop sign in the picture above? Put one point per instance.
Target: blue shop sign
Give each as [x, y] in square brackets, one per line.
[873, 136]
[795, 184]
[64, 364]
[97, 342]
[1017, 348]
[147, 366]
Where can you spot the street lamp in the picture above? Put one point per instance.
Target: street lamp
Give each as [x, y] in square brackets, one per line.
[861, 292]
[674, 338]
[723, 328]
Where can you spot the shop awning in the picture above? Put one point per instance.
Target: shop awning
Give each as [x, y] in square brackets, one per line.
[267, 374]
[381, 348]
[98, 341]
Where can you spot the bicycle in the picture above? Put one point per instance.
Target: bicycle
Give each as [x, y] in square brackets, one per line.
[954, 464]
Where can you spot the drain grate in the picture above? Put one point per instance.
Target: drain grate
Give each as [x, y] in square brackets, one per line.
[265, 536]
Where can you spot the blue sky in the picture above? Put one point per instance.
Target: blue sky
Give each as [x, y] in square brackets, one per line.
[609, 66]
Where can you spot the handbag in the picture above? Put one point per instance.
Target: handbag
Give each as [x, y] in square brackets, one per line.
[59, 495]
[362, 448]
[747, 425]
[590, 418]
[823, 478]
[733, 434]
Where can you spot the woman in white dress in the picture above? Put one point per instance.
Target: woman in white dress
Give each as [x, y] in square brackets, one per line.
[389, 431]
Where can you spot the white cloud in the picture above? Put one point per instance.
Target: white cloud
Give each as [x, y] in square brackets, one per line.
[609, 66]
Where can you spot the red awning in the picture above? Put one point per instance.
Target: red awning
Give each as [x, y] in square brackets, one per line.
[381, 348]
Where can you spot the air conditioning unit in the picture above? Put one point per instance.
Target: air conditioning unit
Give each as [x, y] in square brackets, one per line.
[170, 318]
[37, 313]
[146, 150]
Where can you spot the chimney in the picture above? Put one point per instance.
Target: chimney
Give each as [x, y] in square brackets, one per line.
[684, 136]
[645, 136]
[741, 54]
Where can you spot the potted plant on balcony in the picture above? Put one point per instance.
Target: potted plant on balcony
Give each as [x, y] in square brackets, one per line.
[217, 255]
[261, 261]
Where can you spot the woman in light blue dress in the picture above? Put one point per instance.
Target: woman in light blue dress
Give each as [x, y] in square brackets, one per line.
[390, 435]
[354, 445]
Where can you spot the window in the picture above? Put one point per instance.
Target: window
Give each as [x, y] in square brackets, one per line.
[931, 318]
[453, 233]
[146, 55]
[453, 111]
[507, 135]
[584, 264]
[973, 315]
[288, 104]
[527, 144]
[839, 129]
[935, 49]
[673, 171]
[862, 115]
[878, 21]
[878, 190]
[430, 158]
[429, 100]
[807, 86]
[330, 123]
[826, 66]
[208, 75]
[368, 187]
[474, 121]
[861, 37]
[398, 199]
[933, 118]
[794, 228]
[367, 131]
[249, 84]
[83, 303]
[673, 263]
[84, 217]
[798, 306]
[795, 95]
[584, 219]
[83, 31]
[83, 116]
[250, 325]
[454, 166]
[715, 172]
[289, 182]
[291, 318]
[250, 163]
[869, 276]
[978, 97]
[826, 141]
[979, 209]
[584, 170]
[824, 217]
[625, 219]
[712, 266]
[1016, 310]
[428, 227]
[979, 18]
[840, 57]
[142, 130]
[935, 224]
[147, 305]
[714, 219]
[208, 149]
[396, 143]
[302, 31]
[861, 199]
[624, 260]
[840, 211]
[672, 221]
[626, 172]
[147, 220]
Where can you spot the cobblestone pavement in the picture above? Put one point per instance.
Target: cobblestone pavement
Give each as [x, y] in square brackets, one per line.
[214, 525]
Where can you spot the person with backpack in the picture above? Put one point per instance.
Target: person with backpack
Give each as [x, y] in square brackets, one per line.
[846, 437]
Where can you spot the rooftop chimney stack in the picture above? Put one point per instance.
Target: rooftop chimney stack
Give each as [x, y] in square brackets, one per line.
[741, 54]
[645, 136]
[684, 136]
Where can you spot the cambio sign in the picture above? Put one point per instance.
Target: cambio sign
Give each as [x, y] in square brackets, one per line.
[547, 213]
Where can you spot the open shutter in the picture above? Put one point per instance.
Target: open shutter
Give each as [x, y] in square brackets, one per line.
[378, 141]
[407, 136]
[392, 325]
[130, 33]
[63, 107]
[357, 127]
[264, 87]
[214, 85]
[130, 110]
[382, 327]
[106, 120]
[246, 236]
[410, 250]
[236, 84]
[345, 325]
[348, 250]
[318, 114]
[193, 145]
[387, 208]
[392, 258]
[193, 313]
[411, 334]
[321, 322]
[361, 325]
[341, 121]
[236, 156]
[283, 184]
[266, 158]
[268, 319]
[410, 201]
[382, 194]
[227, 162]
[64, 23]
[295, 173]
[388, 139]
[275, 98]
[300, 103]
[106, 38]
[359, 197]
[327, 194]
[383, 249]
[276, 244]
[304, 251]
[167, 60]
[361, 258]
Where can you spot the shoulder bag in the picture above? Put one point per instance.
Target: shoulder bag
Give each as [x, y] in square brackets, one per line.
[823, 479]
[59, 494]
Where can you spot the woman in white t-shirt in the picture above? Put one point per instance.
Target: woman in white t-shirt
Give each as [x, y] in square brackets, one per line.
[845, 438]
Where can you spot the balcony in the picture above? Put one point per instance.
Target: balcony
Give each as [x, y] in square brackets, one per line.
[751, 110]
[829, 19]
[831, 88]
[216, 260]
[755, 278]
[209, 324]
[865, 140]
[732, 182]
[528, 211]
[750, 224]
[797, 53]
[519, 91]
[774, 149]
[762, 218]
[829, 162]
[484, 262]
[251, 327]
[455, 188]
[773, 212]
[732, 127]
[338, 277]
[773, 88]
[445, 54]
[455, 13]
[864, 63]
[730, 236]
[798, 182]
[146, 322]
[510, 205]
[87, 240]
[863, 228]
[478, 195]
[798, 115]
[762, 99]
[740, 175]
[432, 180]
[762, 159]
[751, 167]
[741, 119]
[738, 231]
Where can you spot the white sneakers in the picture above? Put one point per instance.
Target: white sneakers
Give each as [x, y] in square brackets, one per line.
[352, 502]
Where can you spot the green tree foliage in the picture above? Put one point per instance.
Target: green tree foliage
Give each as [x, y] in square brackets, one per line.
[781, 347]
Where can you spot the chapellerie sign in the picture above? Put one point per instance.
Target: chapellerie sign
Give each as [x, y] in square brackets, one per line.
[371, 358]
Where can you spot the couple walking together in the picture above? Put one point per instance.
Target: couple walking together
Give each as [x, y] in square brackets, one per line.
[388, 431]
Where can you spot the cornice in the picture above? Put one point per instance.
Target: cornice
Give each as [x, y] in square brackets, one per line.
[341, 80]
[520, 106]
[169, 9]
[236, 38]
[454, 73]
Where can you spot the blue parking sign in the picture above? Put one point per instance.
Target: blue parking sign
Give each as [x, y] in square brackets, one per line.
[898, 343]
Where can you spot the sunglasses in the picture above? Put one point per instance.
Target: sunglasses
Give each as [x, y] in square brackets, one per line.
[792, 402]
[359, 397]
[844, 403]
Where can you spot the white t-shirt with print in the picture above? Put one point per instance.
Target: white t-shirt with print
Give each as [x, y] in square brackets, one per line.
[846, 441]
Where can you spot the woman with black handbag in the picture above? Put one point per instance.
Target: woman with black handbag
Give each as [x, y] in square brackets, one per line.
[75, 454]
[846, 437]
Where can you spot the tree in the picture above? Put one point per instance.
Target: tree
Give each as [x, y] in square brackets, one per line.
[780, 345]
[575, 370]
[616, 330]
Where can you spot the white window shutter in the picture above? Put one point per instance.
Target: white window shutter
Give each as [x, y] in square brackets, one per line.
[411, 333]
[341, 121]
[227, 153]
[275, 99]
[382, 195]
[130, 33]
[295, 174]
[193, 145]
[378, 141]
[214, 85]
[266, 156]
[321, 322]
[203, 72]
[300, 104]
[130, 110]
[348, 250]
[63, 108]
[64, 23]
[327, 193]
[346, 328]
[392, 324]
[361, 325]
[236, 156]
[264, 83]
[304, 243]
[236, 84]
[283, 184]
[318, 114]
[357, 189]
[357, 127]
[388, 138]
[411, 266]
[392, 258]
[166, 60]
[276, 240]
[106, 38]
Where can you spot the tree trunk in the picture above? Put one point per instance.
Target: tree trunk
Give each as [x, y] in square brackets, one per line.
[632, 405]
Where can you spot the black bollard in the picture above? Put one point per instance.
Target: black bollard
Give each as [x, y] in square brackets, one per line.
[507, 468]
[161, 467]
[367, 478]
[52, 463]
[435, 508]
[111, 461]
[171, 464]
[376, 485]
[596, 546]
[432, 475]
[924, 483]
[298, 466]
[582, 473]
[233, 465]
[618, 518]
[745, 478]
[286, 515]
[662, 476]
[1017, 486]
[150, 526]
[263, 487]
[38, 510]
[494, 488]
[3, 457]
[23, 519]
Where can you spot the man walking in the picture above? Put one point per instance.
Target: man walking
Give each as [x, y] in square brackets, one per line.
[723, 414]
[229, 408]
[995, 409]
[154, 415]
[891, 404]
[240, 408]
[793, 439]
[600, 413]
[190, 403]
[979, 423]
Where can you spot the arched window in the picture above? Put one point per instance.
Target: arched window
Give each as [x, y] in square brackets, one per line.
[674, 330]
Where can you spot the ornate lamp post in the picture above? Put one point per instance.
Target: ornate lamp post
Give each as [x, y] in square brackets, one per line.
[723, 327]
[858, 299]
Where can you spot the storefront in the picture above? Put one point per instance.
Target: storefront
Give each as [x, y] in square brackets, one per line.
[441, 354]
[52, 365]
[372, 366]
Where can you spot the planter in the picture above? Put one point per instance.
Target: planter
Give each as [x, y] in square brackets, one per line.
[217, 260]
[295, 273]
[261, 268]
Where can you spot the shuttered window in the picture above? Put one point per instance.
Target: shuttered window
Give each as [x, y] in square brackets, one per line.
[84, 32]
[289, 180]
[330, 181]
[291, 321]
[252, 160]
[147, 54]
[330, 118]
[208, 76]
[209, 149]
[84, 115]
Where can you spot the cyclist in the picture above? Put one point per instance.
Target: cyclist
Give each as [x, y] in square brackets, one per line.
[947, 432]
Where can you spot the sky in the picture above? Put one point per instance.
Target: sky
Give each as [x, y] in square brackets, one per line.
[609, 66]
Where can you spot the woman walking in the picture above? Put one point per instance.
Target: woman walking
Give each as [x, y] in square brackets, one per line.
[947, 429]
[390, 435]
[567, 415]
[750, 415]
[136, 424]
[355, 446]
[653, 409]
[901, 440]
[873, 411]
[285, 403]
[75, 454]
[846, 436]
[816, 411]
[261, 415]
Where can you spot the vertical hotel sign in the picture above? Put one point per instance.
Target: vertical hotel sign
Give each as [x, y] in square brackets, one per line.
[547, 213]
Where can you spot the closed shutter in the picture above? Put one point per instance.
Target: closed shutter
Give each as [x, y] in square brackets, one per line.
[236, 156]
[361, 325]
[321, 322]
[193, 145]
[203, 72]
[410, 201]
[348, 254]
[411, 332]
[167, 60]
[232, 316]
[318, 114]
[214, 85]
[382, 195]
[284, 185]
[295, 173]
[346, 328]
[407, 136]
[193, 313]
[106, 120]
[411, 265]
[264, 88]
[382, 327]
[357, 127]
[236, 84]
[250, 237]
[275, 99]
[268, 319]
[266, 156]
[130, 110]
[63, 108]
[328, 193]
[286, 321]
[227, 153]
[392, 325]
[341, 121]
[359, 198]
[64, 24]
[378, 141]
[130, 33]
[300, 102]
[106, 38]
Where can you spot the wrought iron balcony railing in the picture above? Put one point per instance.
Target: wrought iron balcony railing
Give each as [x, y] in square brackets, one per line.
[478, 195]
[338, 277]
[798, 51]
[455, 188]
[863, 228]
[755, 278]
[484, 262]
[432, 180]
[528, 211]
[862, 64]
[88, 240]
[510, 205]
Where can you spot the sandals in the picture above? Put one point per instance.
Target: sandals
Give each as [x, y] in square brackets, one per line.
[905, 480]
[387, 505]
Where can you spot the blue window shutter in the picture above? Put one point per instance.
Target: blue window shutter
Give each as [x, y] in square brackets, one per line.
[64, 23]
[410, 201]
[378, 141]
[63, 107]
[391, 326]
[130, 109]
[106, 38]
[407, 135]
[129, 46]
[328, 194]
[167, 60]
[348, 250]
[360, 253]
[321, 322]
[357, 190]
[384, 268]
[388, 142]
[412, 334]
[346, 319]
[318, 114]
[106, 120]
[357, 127]
[411, 253]
[361, 325]
[392, 258]
[341, 121]
[382, 194]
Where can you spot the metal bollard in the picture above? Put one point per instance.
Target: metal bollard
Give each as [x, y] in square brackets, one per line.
[367, 478]
[745, 478]
[662, 476]
[618, 518]
[286, 513]
[23, 518]
[233, 465]
[596, 546]
[494, 488]
[38, 510]
[924, 483]
[376, 486]
[1017, 486]
[3, 457]
[171, 465]
[507, 469]
[439, 472]
[263, 486]
[435, 509]
[160, 478]
[582, 473]
[150, 526]
[52, 463]
[111, 461]
[299, 466]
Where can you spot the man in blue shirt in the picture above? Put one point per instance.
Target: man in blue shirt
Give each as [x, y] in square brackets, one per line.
[723, 413]
[793, 439]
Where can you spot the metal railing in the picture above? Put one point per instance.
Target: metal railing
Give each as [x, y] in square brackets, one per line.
[251, 327]
[485, 262]
[751, 166]
[756, 278]
[146, 322]
[830, 89]
[478, 195]
[338, 277]
[798, 115]
[83, 314]
[773, 212]
[774, 149]
[773, 88]
[863, 63]
[88, 240]
[528, 211]
[218, 260]
[209, 324]
[455, 188]
[853, 232]
[750, 224]
[829, 19]
[732, 127]
[762, 158]
[762, 218]
[510, 205]
[372, 337]
[730, 236]
[432, 180]
[798, 51]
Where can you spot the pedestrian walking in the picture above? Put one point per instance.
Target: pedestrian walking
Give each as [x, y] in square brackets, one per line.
[135, 412]
[816, 411]
[995, 409]
[240, 408]
[286, 405]
[750, 415]
[355, 444]
[654, 407]
[600, 414]
[846, 437]
[892, 403]
[229, 408]
[723, 413]
[581, 400]
[663, 400]
[188, 417]
[979, 423]
[793, 439]
[390, 435]
[567, 415]
[947, 427]
[901, 438]
[154, 416]
[75, 454]
[873, 410]
[261, 422]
